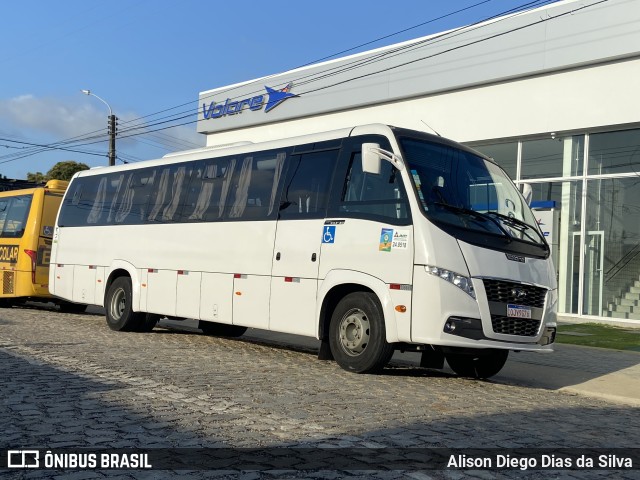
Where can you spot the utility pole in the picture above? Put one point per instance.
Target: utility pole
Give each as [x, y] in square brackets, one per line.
[112, 123]
[112, 139]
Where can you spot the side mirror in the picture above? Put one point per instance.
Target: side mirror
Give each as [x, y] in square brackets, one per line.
[527, 192]
[371, 158]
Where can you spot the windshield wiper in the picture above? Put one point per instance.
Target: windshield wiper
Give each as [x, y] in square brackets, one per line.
[476, 214]
[468, 211]
[515, 223]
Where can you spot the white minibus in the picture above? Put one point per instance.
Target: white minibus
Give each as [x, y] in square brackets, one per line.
[371, 239]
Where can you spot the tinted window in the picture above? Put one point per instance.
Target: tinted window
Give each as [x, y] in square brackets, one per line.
[168, 193]
[85, 202]
[208, 189]
[306, 189]
[374, 195]
[254, 188]
[13, 215]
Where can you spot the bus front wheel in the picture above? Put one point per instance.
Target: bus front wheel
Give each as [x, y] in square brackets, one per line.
[484, 364]
[357, 335]
[118, 307]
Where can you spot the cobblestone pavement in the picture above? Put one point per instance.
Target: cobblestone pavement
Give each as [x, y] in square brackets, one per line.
[68, 382]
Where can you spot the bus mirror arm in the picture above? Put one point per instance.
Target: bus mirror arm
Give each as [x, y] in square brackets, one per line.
[372, 154]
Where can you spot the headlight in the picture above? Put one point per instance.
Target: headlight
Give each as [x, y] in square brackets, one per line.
[460, 281]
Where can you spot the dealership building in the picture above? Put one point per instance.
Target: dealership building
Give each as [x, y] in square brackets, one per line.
[551, 94]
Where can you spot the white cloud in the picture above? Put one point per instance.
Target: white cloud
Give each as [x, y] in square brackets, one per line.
[31, 117]
[50, 116]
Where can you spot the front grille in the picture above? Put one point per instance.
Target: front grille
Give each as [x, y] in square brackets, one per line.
[512, 292]
[8, 286]
[524, 327]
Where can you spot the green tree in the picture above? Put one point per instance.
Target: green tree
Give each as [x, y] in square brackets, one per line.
[60, 171]
[37, 177]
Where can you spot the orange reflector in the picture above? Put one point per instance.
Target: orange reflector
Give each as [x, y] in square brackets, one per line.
[238, 293]
[401, 308]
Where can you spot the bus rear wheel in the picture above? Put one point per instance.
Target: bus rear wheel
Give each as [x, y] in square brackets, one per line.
[221, 329]
[118, 307]
[357, 335]
[483, 364]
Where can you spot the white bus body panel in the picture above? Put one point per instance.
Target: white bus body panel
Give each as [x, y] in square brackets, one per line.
[294, 283]
[358, 246]
[251, 300]
[487, 263]
[84, 281]
[216, 298]
[398, 325]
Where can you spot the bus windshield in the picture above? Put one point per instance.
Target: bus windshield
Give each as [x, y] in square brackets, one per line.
[458, 188]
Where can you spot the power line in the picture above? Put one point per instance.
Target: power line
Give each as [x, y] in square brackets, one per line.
[87, 139]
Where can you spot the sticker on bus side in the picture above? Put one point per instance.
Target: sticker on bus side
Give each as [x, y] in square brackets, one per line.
[391, 239]
[400, 239]
[386, 237]
[329, 234]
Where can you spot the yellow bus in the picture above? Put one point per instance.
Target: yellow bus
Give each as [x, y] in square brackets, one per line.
[27, 220]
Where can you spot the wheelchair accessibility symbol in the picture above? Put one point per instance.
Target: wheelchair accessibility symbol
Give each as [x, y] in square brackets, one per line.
[329, 234]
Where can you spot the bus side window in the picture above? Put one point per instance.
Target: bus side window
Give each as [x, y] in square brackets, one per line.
[306, 189]
[255, 187]
[169, 193]
[206, 196]
[133, 202]
[374, 195]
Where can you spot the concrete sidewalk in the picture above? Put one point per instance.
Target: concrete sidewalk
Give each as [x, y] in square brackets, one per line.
[611, 375]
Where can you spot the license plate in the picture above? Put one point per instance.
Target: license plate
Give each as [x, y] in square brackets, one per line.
[518, 311]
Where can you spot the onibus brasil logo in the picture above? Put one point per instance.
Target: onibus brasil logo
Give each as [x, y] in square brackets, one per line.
[269, 101]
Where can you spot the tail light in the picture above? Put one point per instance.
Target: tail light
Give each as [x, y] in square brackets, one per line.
[33, 255]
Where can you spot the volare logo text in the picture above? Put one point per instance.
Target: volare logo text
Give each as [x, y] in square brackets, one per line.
[271, 100]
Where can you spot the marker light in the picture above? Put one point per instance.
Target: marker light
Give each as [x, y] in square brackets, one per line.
[460, 281]
[33, 255]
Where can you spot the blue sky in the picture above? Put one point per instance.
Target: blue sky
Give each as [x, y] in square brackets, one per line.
[148, 56]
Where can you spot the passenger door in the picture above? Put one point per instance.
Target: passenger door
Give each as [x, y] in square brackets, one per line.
[294, 277]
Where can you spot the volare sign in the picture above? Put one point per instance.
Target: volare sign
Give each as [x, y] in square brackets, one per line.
[268, 101]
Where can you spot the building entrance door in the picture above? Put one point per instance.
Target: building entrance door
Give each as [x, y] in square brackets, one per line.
[593, 276]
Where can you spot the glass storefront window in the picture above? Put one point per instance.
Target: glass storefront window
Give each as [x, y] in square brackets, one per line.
[552, 157]
[557, 207]
[504, 154]
[614, 152]
[612, 248]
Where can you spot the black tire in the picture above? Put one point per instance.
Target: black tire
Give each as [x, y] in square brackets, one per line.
[484, 364]
[221, 329]
[357, 334]
[117, 305]
[6, 302]
[70, 307]
[147, 322]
